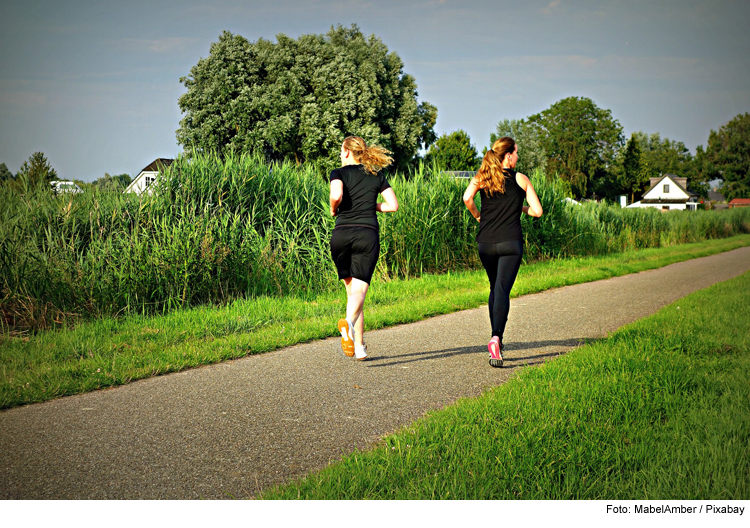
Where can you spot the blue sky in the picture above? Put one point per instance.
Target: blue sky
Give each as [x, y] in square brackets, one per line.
[94, 84]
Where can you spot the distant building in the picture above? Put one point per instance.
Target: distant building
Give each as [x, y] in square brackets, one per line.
[148, 175]
[461, 175]
[668, 193]
[65, 187]
[739, 202]
[716, 200]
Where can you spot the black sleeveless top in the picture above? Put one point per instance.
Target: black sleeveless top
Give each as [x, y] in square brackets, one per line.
[500, 218]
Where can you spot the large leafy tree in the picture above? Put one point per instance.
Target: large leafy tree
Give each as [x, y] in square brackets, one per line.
[36, 172]
[454, 152]
[728, 156]
[531, 154]
[581, 141]
[664, 156]
[299, 98]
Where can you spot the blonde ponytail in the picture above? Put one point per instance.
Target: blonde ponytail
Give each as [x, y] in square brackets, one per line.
[373, 158]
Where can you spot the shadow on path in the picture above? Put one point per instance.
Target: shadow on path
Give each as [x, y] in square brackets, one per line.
[387, 361]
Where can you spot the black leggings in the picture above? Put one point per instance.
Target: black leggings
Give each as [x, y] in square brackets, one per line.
[501, 262]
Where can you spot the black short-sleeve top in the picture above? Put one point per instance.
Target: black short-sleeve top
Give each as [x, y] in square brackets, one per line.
[500, 218]
[361, 190]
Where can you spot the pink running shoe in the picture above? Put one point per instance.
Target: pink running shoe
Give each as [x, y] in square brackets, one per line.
[496, 355]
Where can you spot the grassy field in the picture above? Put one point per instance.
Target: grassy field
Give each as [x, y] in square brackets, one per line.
[114, 351]
[658, 410]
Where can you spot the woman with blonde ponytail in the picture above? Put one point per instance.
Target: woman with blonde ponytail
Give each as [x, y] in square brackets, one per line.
[355, 242]
[499, 237]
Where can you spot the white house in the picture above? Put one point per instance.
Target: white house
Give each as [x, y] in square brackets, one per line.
[668, 193]
[68, 187]
[148, 175]
[461, 175]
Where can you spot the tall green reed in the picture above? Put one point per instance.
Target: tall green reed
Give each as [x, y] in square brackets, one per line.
[215, 229]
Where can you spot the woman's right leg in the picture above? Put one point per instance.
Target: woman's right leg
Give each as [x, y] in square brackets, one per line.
[488, 256]
[356, 290]
[501, 262]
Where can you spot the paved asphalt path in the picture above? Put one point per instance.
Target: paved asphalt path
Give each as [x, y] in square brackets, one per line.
[235, 428]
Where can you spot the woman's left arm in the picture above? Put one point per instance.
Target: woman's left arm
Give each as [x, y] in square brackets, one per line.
[535, 206]
[469, 195]
[391, 203]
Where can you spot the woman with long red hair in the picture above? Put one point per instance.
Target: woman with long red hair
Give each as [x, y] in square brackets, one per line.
[499, 237]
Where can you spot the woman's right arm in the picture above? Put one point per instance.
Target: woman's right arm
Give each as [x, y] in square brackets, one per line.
[336, 196]
[469, 194]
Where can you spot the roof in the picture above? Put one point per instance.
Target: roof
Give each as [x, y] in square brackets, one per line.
[740, 201]
[155, 166]
[673, 178]
[665, 201]
[716, 196]
[158, 164]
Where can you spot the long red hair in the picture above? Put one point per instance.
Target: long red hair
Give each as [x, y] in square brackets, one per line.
[491, 174]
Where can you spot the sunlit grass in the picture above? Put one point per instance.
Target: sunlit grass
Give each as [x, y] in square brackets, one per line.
[113, 351]
[660, 410]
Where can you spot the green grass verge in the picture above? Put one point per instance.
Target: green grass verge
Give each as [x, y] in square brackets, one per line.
[112, 352]
[660, 410]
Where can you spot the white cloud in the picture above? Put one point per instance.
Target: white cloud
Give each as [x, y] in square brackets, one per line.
[551, 7]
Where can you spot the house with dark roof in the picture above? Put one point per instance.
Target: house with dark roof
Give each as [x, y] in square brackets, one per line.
[148, 175]
[716, 200]
[668, 193]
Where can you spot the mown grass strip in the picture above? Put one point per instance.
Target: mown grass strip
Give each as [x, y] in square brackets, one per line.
[112, 352]
[660, 410]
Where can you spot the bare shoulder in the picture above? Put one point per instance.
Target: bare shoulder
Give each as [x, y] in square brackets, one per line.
[522, 180]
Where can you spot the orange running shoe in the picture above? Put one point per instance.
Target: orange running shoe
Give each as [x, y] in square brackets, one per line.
[347, 337]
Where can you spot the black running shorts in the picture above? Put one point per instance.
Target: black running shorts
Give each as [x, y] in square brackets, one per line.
[355, 251]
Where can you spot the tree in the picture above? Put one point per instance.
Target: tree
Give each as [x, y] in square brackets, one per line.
[36, 172]
[454, 152]
[663, 155]
[728, 153]
[5, 174]
[634, 176]
[298, 99]
[117, 183]
[581, 141]
[531, 154]
[702, 172]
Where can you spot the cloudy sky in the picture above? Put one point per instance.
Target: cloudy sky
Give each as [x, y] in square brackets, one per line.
[94, 84]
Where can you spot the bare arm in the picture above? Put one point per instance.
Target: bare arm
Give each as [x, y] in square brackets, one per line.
[391, 203]
[337, 195]
[535, 206]
[469, 194]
